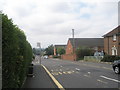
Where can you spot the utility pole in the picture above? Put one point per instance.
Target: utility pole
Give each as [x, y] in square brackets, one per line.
[39, 45]
[73, 41]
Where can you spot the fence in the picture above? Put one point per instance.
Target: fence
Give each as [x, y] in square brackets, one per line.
[93, 58]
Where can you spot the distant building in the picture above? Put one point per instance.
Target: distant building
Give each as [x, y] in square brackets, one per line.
[94, 43]
[58, 46]
[112, 42]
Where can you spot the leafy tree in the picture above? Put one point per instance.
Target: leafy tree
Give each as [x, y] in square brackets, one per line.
[34, 51]
[49, 50]
[37, 51]
[83, 51]
[60, 51]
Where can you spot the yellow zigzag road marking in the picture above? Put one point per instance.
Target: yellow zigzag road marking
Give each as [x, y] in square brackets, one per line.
[53, 78]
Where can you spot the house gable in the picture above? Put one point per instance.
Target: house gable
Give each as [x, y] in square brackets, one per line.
[115, 31]
[112, 42]
[69, 48]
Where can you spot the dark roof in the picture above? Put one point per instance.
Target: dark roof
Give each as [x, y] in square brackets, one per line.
[114, 31]
[88, 42]
[60, 46]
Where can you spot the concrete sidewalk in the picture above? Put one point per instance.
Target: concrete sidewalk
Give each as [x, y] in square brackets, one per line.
[40, 79]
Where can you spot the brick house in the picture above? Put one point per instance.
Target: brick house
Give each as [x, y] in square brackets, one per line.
[94, 43]
[58, 46]
[112, 42]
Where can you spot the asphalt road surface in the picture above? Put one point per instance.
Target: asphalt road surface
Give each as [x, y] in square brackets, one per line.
[77, 74]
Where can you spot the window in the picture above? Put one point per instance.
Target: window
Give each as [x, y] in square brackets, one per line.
[114, 37]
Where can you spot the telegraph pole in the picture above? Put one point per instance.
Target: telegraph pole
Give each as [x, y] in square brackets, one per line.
[39, 45]
[73, 41]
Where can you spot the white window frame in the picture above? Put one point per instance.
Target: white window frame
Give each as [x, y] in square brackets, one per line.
[114, 37]
[114, 51]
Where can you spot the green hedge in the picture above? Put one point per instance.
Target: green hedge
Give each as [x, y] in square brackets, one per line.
[55, 56]
[16, 54]
[109, 58]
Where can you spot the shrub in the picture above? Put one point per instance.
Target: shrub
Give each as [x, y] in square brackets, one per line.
[55, 56]
[16, 54]
[83, 51]
[110, 58]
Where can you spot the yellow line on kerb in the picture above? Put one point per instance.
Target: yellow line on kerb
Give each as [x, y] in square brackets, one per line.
[53, 78]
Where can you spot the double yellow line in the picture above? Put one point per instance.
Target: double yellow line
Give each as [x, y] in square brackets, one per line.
[53, 78]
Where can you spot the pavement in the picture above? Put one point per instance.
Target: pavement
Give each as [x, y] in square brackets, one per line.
[40, 79]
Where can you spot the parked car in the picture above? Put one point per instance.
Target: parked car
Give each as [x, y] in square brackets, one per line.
[45, 57]
[116, 66]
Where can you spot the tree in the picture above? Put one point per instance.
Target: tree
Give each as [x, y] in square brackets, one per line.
[83, 51]
[34, 51]
[49, 50]
[60, 51]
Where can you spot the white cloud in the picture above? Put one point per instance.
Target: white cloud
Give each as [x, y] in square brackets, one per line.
[52, 21]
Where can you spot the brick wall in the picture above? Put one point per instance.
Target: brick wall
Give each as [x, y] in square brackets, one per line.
[71, 57]
[109, 43]
[69, 48]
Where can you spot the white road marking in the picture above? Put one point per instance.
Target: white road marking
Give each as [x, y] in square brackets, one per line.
[77, 69]
[89, 72]
[101, 81]
[51, 70]
[60, 69]
[72, 71]
[107, 68]
[86, 75]
[110, 79]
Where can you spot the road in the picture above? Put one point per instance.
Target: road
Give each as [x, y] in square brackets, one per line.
[77, 74]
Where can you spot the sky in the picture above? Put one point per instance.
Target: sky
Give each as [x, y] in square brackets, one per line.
[51, 21]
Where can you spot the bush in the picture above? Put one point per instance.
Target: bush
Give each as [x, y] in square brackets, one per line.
[16, 54]
[83, 51]
[55, 56]
[110, 58]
